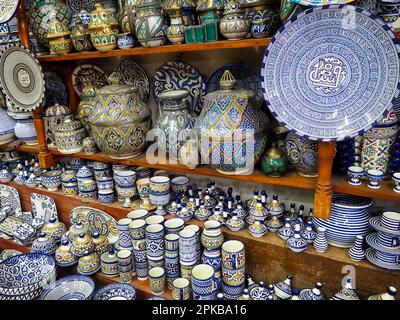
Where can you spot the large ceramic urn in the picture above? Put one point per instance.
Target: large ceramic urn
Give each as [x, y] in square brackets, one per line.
[119, 120]
[232, 131]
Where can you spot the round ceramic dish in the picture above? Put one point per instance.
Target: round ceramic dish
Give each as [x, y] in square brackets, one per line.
[116, 291]
[328, 77]
[73, 287]
[88, 73]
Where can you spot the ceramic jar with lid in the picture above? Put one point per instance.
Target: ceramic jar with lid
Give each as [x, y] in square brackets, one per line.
[120, 120]
[7, 125]
[235, 128]
[54, 229]
[25, 131]
[53, 116]
[86, 105]
[101, 243]
[274, 163]
[150, 26]
[89, 263]
[76, 229]
[82, 245]
[109, 263]
[64, 256]
[234, 25]
[103, 28]
[59, 38]
[44, 244]
[69, 135]
[173, 119]
[80, 37]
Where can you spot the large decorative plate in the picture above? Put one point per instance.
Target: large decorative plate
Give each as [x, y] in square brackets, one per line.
[7, 9]
[246, 78]
[55, 90]
[9, 196]
[130, 72]
[331, 72]
[21, 78]
[88, 73]
[43, 207]
[317, 3]
[97, 220]
[181, 75]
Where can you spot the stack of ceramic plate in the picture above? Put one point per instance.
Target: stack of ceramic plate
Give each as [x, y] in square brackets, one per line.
[348, 153]
[348, 218]
[384, 245]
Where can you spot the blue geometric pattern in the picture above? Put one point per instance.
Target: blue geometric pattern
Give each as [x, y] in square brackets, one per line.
[331, 72]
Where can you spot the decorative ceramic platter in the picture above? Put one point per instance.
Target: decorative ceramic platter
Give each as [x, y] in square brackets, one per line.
[97, 220]
[43, 207]
[9, 196]
[370, 254]
[10, 225]
[21, 78]
[88, 73]
[7, 9]
[55, 90]
[328, 77]
[316, 3]
[130, 72]
[246, 78]
[181, 75]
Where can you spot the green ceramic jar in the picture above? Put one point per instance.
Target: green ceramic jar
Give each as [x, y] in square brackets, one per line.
[274, 163]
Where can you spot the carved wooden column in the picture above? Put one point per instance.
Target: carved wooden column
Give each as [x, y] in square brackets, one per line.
[45, 157]
[323, 193]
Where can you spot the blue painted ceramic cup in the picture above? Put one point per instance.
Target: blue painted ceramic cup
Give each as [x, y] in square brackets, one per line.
[391, 220]
[155, 240]
[125, 241]
[374, 177]
[233, 255]
[125, 179]
[204, 282]
[174, 225]
[355, 173]
[181, 289]
[157, 280]
[137, 229]
[388, 240]
[187, 246]
[159, 185]
[396, 180]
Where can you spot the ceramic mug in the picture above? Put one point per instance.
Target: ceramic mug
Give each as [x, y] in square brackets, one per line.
[204, 282]
[125, 266]
[156, 261]
[157, 280]
[137, 229]
[355, 173]
[125, 241]
[174, 225]
[172, 242]
[159, 185]
[388, 240]
[187, 246]
[233, 255]
[233, 277]
[181, 289]
[171, 267]
[186, 269]
[391, 220]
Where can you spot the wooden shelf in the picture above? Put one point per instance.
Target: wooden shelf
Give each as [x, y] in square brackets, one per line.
[238, 44]
[268, 258]
[30, 149]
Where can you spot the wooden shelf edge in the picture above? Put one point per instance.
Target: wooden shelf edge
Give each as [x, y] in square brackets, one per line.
[208, 46]
[29, 149]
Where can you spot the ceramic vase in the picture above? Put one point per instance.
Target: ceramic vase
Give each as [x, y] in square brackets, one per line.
[176, 31]
[212, 237]
[25, 131]
[356, 252]
[320, 242]
[234, 25]
[7, 125]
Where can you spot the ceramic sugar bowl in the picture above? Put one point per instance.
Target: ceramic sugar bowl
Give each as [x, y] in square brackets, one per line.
[44, 244]
[89, 264]
[120, 120]
[69, 135]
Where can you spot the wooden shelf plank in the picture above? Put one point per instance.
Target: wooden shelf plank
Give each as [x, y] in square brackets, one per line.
[248, 43]
[30, 149]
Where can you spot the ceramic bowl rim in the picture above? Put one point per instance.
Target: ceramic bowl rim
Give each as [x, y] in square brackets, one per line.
[174, 223]
[111, 286]
[232, 246]
[141, 214]
[137, 224]
[193, 227]
[176, 282]
[356, 169]
[177, 180]
[124, 254]
[74, 277]
[202, 268]
[124, 222]
[158, 219]
[159, 179]
[186, 233]
[154, 228]
[174, 235]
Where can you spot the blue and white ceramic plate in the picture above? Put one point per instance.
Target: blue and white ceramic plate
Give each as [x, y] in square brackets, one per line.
[176, 75]
[246, 78]
[370, 254]
[43, 207]
[130, 72]
[73, 287]
[331, 72]
[372, 240]
[116, 291]
[375, 223]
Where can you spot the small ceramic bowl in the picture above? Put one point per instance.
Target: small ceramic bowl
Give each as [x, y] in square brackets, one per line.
[355, 173]
[180, 183]
[374, 177]
[74, 287]
[116, 291]
[51, 180]
[125, 41]
[396, 180]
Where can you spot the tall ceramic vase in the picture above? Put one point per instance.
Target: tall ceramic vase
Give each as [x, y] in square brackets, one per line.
[149, 24]
[42, 13]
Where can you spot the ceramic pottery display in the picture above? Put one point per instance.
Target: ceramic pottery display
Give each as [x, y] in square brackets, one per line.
[69, 135]
[41, 15]
[228, 116]
[388, 11]
[120, 120]
[331, 81]
[302, 154]
[174, 118]
[234, 25]
[25, 276]
[132, 73]
[7, 125]
[348, 218]
[378, 142]
[86, 105]
[348, 153]
[150, 27]
[80, 37]
[88, 74]
[59, 38]
[181, 76]
[21, 79]
[274, 163]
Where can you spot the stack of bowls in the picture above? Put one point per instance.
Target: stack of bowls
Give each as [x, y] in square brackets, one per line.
[25, 276]
[384, 244]
[348, 218]
[348, 153]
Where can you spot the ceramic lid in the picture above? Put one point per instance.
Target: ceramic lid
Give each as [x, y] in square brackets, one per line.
[56, 110]
[69, 124]
[57, 29]
[232, 7]
[116, 87]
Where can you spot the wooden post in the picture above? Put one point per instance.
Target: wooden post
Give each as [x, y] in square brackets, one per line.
[323, 193]
[45, 157]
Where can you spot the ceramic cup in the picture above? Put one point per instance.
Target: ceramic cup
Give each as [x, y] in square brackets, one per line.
[172, 242]
[125, 266]
[187, 246]
[138, 214]
[396, 180]
[125, 241]
[174, 225]
[391, 220]
[388, 240]
[155, 241]
[141, 264]
[171, 267]
[233, 254]
[157, 280]
[125, 179]
[355, 173]
[105, 196]
[180, 184]
[388, 258]
[186, 269]
[204, 282]
[163, 173]
[156, 262]
[374, 177]
[181, 289]
[159, 185]
[137, 229]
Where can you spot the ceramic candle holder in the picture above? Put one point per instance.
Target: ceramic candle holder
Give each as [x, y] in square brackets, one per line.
[374, 177]
[355, 173]
[396, 180]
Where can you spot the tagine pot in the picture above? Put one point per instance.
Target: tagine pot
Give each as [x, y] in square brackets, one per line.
[119, 120]
[69, 135]
[230, 123]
